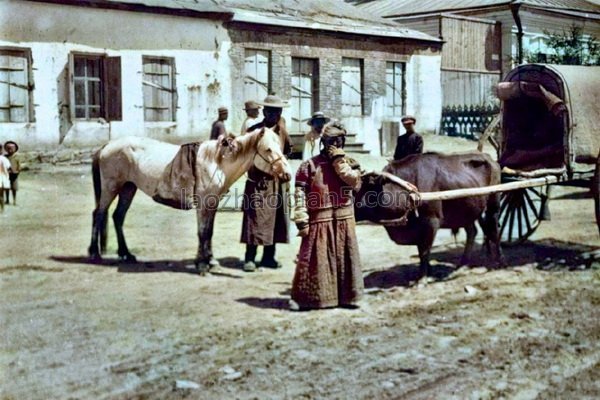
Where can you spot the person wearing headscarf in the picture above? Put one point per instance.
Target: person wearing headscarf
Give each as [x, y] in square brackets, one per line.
[328, 272]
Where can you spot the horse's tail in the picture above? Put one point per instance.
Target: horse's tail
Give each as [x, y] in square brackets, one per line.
[97, 179]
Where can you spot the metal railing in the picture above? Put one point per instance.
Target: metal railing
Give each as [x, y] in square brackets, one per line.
[468, 121]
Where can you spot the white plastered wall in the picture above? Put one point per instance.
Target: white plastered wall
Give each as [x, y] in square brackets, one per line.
[199, 48]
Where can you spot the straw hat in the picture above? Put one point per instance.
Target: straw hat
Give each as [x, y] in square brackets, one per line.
[251, 105]
[273, 101]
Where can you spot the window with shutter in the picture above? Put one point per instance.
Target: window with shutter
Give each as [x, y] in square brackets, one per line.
[159, 89]
[352, 87]
[305, 83]
[95, 87]
[257, 74]
[15, 86]
[395, 83]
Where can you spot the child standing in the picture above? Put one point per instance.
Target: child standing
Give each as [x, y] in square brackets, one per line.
[4, 177]
[11, 149]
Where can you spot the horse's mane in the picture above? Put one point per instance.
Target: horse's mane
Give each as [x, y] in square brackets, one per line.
[231, 147]
[244, 144]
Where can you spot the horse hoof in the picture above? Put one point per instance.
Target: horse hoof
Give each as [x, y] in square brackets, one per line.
[95, 258]
[202, 267]
[213, 263]
[128, 258]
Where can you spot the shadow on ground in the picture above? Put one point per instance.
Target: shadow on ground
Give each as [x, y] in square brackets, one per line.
[276, 303]
[547, 255]
[151, 266]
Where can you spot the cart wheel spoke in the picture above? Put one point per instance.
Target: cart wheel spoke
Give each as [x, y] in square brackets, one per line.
[520, 212]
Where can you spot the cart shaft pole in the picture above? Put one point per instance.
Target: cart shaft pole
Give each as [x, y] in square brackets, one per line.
[485, 190]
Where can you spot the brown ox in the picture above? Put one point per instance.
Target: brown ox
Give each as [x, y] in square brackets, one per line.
[382, 200]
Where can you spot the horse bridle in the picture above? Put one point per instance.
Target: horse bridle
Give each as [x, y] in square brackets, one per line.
[266, 160]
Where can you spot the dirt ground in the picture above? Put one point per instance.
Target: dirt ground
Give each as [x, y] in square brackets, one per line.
[157, 330]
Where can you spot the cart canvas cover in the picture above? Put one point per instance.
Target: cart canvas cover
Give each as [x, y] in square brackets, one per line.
[550, 116]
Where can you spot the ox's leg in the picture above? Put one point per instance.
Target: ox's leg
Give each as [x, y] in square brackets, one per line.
[429, 228]
[471, 231]
[491, 231]
[99, 219]
[206, 221]
[125, 198]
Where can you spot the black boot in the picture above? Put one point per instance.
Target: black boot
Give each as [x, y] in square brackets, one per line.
[268, 260]
[249, 264]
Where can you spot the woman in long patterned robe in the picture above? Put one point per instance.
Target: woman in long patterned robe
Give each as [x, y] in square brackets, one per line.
[328, 272]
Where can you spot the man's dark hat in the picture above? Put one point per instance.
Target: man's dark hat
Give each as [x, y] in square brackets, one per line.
[11, 142]
[407, 118]
[317, 115]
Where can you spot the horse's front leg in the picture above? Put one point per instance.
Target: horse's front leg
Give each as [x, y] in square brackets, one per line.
[206, 219]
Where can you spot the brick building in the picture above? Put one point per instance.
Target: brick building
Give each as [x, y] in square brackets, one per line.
[329, 58]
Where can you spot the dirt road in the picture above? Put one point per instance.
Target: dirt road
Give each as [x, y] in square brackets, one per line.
[75, 330]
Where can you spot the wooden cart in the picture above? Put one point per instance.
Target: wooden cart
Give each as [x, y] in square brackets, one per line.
[548, 132]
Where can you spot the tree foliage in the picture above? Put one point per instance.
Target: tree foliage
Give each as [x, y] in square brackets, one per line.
[573, 48]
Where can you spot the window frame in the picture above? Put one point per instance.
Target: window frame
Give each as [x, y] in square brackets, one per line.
[360, 90]
[397, 110]
[172, 90]
[315, 79]
[110, 91]
[246, 77]
[29, 113]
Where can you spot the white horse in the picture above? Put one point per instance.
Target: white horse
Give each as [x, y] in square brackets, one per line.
[124, 165]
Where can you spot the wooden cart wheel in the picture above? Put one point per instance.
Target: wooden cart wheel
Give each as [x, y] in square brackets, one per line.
[596, 191]
[521, 211]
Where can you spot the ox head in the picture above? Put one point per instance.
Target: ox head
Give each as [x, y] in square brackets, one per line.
[386, 199]
[269, 157]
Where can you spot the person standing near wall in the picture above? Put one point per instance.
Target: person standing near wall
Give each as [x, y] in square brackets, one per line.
[265, 203]
[252, 109]
[312, 140]
[328, 272]
[218, 127]
[409, 143]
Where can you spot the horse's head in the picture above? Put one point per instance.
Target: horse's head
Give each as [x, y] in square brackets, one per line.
[269, 158]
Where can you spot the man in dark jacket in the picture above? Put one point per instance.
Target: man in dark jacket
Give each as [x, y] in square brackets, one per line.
[265, 202]
[218, 127]
[409, 143]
